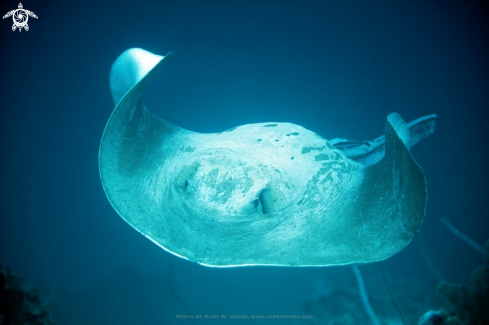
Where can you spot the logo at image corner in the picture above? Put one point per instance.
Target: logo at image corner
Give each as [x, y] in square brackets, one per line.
[20, 17]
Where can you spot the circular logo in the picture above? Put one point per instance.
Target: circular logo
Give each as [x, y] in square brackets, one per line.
[20, 17]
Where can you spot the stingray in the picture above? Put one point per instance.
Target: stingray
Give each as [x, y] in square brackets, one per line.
[258, 194]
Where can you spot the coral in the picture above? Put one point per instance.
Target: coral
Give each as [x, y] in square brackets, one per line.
[19, 305]
[467, 306]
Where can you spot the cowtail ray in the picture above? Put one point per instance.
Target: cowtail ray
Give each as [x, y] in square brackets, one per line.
[258, 194]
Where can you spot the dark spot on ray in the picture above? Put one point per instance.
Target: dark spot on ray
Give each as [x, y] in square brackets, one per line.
[309, 149]
[321, 156]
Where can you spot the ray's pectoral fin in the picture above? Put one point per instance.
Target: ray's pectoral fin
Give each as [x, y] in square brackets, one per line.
[131, 67]
[371, 152]
[131, 149]
[406, 178]
[393, 194]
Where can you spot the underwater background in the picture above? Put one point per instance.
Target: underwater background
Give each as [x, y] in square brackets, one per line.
[337, 68]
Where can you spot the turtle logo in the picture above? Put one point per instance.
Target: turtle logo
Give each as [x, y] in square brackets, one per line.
[20, 17]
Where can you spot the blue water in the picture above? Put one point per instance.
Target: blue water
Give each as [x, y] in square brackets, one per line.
[337, 68]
